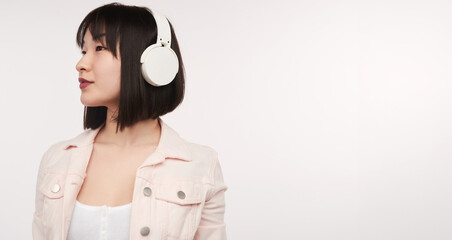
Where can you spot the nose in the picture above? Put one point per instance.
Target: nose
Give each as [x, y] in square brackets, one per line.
[82, 64]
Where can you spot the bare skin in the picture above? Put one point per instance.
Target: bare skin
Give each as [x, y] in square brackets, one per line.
[112, 168]
[115, 158]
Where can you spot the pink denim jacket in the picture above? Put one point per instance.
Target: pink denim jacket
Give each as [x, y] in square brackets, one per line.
[184, 196]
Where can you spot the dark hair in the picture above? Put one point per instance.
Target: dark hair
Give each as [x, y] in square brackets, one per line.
[135, 29]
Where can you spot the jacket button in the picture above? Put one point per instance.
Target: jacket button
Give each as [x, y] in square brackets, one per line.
[181, 195]
[147, 191]
[144, 231]
[55, 188]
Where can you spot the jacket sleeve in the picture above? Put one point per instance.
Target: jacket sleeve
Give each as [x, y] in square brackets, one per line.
[37, 224]
[212, 226]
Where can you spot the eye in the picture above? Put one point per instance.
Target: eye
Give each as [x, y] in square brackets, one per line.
[84, 52]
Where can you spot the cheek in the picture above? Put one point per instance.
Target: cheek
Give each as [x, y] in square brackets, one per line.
[115, 72]
[116, 77]
[112, 87]
[111, 75]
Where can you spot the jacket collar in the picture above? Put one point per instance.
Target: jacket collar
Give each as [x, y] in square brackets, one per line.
[170, 145]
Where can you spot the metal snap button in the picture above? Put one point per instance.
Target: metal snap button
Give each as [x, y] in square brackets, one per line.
[181, 195]
[144, 231]
[147, 191]
[55, 188]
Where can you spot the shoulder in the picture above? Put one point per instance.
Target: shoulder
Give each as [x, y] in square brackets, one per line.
[60, 147]
[201, 151]
[204, 157]
[73, 141]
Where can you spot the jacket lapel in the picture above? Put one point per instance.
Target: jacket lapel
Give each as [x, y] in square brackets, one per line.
[170, 145]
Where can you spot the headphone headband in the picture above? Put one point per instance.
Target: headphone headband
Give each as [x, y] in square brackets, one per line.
[163, 28]
[159, 63]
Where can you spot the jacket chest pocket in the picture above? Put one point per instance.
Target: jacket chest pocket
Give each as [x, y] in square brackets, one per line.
[52, 189]
[179, 202]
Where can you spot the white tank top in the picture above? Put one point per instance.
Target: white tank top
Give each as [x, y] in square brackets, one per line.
[99, 222]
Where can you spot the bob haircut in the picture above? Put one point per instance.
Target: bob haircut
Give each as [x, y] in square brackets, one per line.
[135, 29]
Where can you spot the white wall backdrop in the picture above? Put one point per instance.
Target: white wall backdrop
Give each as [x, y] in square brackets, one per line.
[332, 119]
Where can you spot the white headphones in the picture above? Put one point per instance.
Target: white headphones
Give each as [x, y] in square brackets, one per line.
[159, 63]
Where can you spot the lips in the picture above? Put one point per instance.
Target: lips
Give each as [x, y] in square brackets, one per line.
[82, 80]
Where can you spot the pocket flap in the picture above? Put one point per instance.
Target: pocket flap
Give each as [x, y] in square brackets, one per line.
[182, 192]
[53, 185]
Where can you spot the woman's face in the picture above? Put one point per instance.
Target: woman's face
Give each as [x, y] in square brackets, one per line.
[99, 66]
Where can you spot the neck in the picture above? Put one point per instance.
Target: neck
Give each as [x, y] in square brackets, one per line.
[143, 133]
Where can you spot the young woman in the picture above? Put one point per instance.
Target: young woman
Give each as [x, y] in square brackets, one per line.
[142, 181]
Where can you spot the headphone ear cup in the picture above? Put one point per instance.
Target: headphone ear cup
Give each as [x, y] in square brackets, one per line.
[159, 65]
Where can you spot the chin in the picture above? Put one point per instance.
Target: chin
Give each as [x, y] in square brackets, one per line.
[89, 102]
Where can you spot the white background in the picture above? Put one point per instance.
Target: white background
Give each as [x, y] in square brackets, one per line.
[332, 119]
